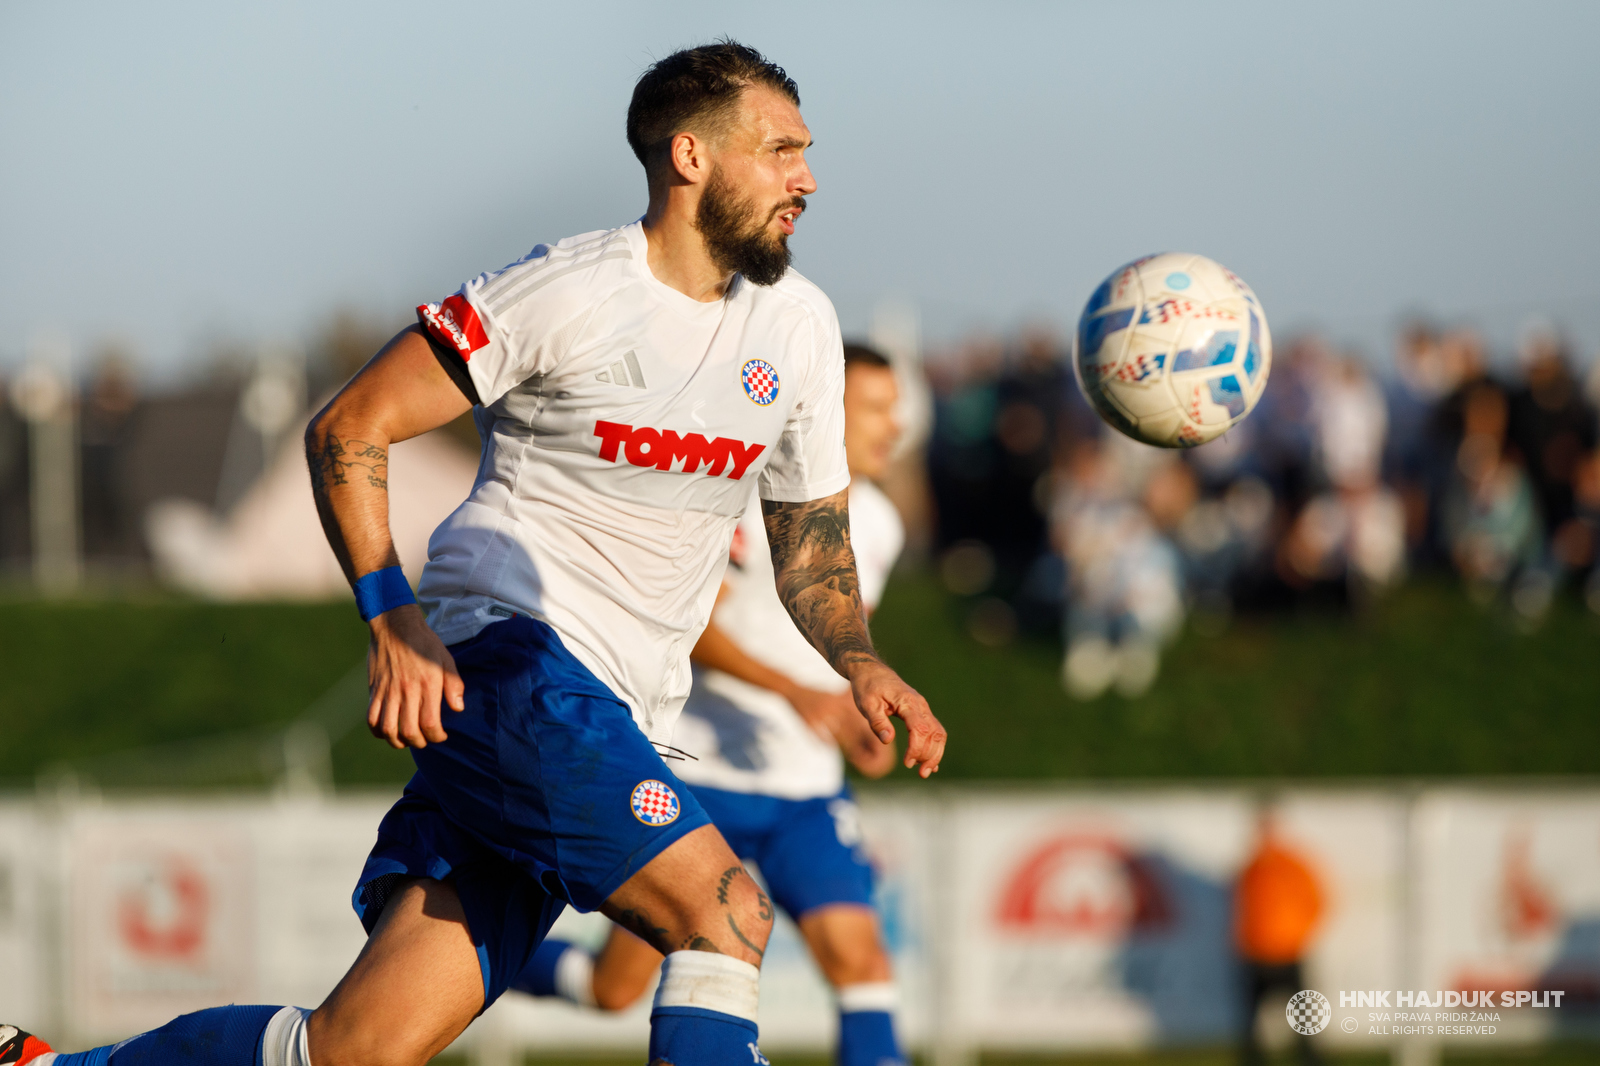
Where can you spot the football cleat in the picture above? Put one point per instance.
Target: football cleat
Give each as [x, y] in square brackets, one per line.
[19, 1048]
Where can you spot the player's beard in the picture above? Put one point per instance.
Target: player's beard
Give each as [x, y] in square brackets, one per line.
[735, 232]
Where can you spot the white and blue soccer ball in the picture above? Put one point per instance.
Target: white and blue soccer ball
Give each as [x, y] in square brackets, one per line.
[1172, 350]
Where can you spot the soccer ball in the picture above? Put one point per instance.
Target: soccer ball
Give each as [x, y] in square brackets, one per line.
[1172, 350]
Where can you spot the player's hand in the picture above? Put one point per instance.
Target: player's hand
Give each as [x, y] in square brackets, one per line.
[870, 756]
[410, 674]
[824, 712]
[880, 694]
[833, 717]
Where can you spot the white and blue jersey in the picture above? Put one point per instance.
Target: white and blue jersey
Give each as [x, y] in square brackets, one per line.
[624, 426]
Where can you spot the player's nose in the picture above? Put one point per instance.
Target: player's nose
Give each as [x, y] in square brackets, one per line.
[803, 182]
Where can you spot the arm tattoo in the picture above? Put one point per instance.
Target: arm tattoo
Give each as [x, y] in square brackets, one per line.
[816, 574]
[334, 462]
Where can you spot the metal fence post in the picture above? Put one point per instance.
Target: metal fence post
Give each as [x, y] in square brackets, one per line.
[952, 1044]
[54, 799]
[43, 394]
[1412, 1050]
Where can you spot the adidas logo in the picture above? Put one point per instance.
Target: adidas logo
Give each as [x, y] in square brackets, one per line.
[624, 371]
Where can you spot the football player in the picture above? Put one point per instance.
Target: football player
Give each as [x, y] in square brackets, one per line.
[631, 387]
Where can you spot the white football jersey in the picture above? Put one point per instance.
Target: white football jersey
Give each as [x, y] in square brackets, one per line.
[744, 738]
[623, 426]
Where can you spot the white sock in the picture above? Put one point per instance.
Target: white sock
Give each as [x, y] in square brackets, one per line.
[874, 995]
[710, 981]
[575, 977]
[284, 1042]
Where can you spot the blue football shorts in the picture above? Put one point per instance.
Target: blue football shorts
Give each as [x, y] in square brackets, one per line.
[810, 851]
[546, 793]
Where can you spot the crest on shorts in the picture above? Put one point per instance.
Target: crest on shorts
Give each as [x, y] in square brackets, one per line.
[760, 380]
[654, 803]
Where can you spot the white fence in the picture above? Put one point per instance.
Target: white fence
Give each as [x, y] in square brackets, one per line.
[1020, 920]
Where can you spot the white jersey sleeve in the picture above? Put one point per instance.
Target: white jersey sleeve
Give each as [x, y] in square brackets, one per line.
[808, 462]
[877, 536]
[505, 339]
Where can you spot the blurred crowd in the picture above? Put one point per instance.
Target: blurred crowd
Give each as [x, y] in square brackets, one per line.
[1340, 484]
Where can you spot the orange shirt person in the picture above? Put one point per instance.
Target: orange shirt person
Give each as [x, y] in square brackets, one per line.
[1278, 903]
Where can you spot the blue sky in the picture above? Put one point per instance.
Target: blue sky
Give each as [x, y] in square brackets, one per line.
[178, 173]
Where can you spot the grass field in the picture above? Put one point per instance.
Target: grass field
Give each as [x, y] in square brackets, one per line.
[1425, 684]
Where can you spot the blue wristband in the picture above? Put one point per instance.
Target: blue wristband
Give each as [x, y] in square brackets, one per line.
[382, 590]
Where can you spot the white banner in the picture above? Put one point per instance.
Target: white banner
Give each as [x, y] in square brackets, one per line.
[1093, 920]
[25, 929]
[177, 906]
[1508, 903]
[1018, 920]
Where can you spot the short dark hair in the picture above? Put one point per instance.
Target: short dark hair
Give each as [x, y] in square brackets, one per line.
[697, 88]
[861, 355]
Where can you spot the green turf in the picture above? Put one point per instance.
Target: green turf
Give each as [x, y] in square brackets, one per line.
[1424, 684]
[86, 679]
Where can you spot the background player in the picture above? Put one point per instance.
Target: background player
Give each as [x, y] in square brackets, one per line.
[763, 730]
[630, 386]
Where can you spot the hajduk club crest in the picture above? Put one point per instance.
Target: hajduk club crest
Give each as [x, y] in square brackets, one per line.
[654, 803]
[760, 380]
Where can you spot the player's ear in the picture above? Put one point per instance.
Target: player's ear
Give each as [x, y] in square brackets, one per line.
[690, 158]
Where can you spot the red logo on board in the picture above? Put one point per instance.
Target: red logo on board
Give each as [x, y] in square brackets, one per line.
[456, 324]
[1084, 884]
[167, 919]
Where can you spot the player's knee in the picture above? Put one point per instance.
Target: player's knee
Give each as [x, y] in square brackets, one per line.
[847, 946]
[741, 921]
[756, 909]
[859, 963]
[335, 1044]
[617, 995]
[756, 923]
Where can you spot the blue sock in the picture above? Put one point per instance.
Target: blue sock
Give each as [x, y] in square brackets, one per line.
[538, 978]
[695, 1036]
[221, 1036]
[95, 1056]
[866, 1038]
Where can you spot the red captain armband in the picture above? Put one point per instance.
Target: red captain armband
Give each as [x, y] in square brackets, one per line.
[454, 324]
